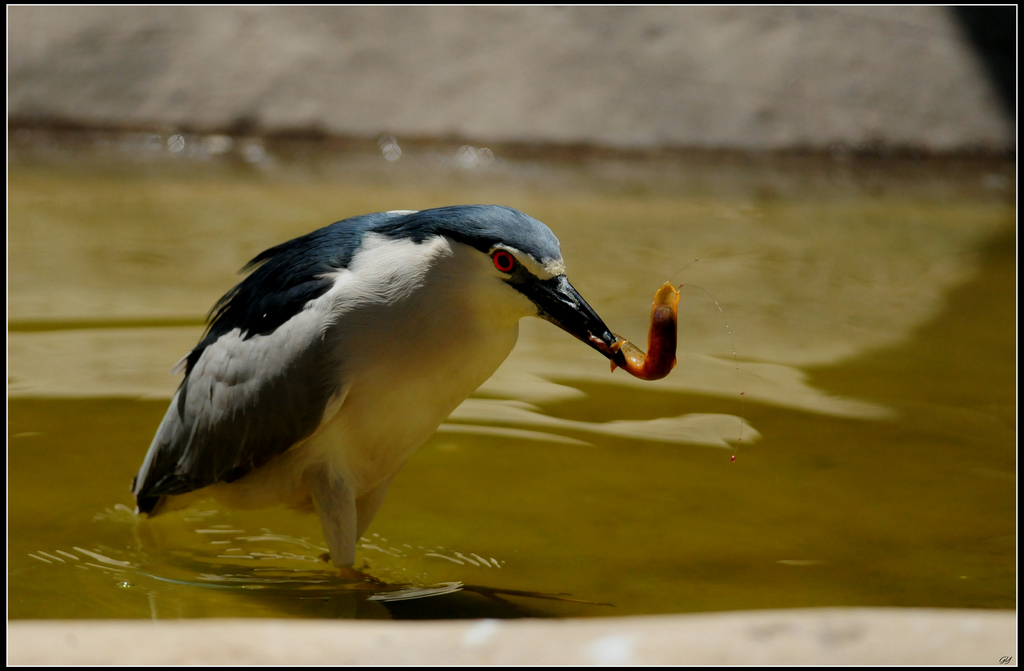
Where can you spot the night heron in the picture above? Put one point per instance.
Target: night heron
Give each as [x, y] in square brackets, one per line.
[323, 370]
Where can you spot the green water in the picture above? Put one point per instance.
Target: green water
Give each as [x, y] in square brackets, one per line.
[859, 364]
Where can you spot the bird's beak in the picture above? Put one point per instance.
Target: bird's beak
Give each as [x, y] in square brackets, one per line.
[558, 302]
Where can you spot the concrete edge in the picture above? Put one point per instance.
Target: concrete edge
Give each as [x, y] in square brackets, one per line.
[807, 636]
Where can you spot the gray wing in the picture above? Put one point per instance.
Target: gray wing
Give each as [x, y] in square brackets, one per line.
[244, 401]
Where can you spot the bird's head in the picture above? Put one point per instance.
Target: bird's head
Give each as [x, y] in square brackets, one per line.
[517, 262]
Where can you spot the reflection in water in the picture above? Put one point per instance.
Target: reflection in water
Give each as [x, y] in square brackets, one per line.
[408, 593]
[194, 550]
[260, 563]
[696, 428]
[867, 388]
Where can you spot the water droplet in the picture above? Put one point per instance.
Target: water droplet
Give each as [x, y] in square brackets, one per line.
[389, 147]
[217, 144]
[253, 151]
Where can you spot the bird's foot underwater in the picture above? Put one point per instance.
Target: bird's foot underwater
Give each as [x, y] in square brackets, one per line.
[358, 578]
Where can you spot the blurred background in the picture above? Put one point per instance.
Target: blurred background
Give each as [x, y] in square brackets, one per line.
[751, 78]
[835, 187]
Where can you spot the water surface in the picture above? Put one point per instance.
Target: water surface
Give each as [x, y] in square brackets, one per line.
[847, 333]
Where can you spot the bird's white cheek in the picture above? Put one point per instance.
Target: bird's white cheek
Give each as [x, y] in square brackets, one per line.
[501, 306]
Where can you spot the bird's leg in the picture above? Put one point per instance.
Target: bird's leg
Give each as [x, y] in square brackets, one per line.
[342, 519]
[335, 505]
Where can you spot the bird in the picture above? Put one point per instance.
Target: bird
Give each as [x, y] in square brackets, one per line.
[343, 350]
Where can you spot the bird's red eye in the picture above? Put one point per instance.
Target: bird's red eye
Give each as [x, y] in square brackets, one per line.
[503, 261]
